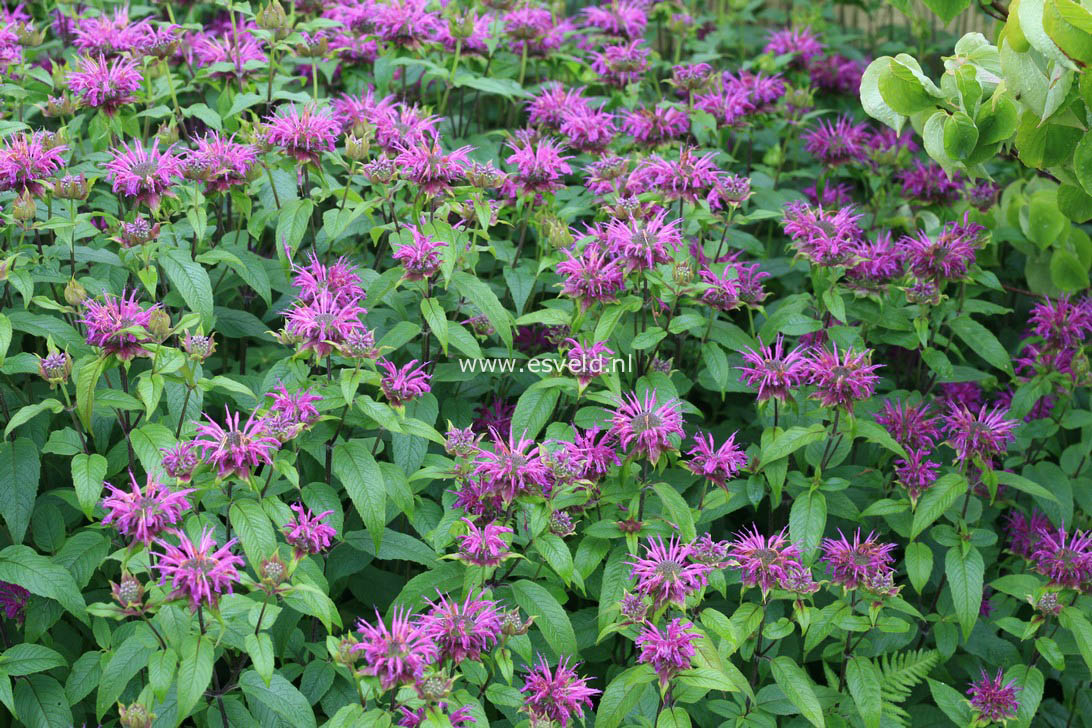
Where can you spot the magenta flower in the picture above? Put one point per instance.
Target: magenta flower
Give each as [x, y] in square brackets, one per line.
[590, 277]
[297, 407]
[406, 23]
[27, 159]
[993, 700]
[709, 552]
[104, 86]
[621, 64]
[930, 183]
[773, 372]
[729, 105]
[837, 143]
[308, 533]
[199, 572]
[644, 244]
[497, 415]
[555, 696]
[836, 73]
[463, 631]
[835, 195]
[644, 426]
[966, 394]
[510, 470]
[842, 379]
[621, 18]
[324, 323]
[414, 718]
[403, 125]
[690, 177]
[398, 655]
[947, 256]
[242, 51]
[146, 174]
[588, 130]
[1025, 532]
[588, 362]
[13, 601]
[554, 100]
[179, 461]
[114, 325]
[877, 261]
[655, 125]
[535, 29]
[222, 163]
[1061, 323]
[144, 514]
[483, 546]
[717, 464]
[304, 134]
[420, 258]
[669, 652]
[911, 425]
[235, 450]
[730, 191]
[801, 43]
[592, 453]
[916, 473]
[666, 574]
[984, 435]
[853, 564]
[539, 164]
[823, 237]
[340, 279]
[1063, 558]
[426, 164]
[764, 562]
[105, 34]
[402, 385]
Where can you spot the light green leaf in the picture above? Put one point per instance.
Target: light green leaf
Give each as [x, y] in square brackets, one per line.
[194, 672]
[191, 280]
[865, 682]
[938, 499]
[796, 685]
[88, 473]
[965, 576]
[808, 520]
[260, 648]
[23, 566]
[550, 617]
[358, 472]
[280, 696]
[677, 510]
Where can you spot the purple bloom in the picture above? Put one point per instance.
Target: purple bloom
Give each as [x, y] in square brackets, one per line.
[539, 164]
[144, 514]
[555, 696]
[27, 159]
[669, 652]
[510, 470]
[837, 143]
[930, 183]
[103, 86]
[303, 134]
[414, 718]
[655, 125]
[588, 362]
[106, 34]
[800, 43]
[948, 255]
[426, 164]
[852, 564]
[644, 244]
[665, 573]
[146, 174]
[496, 416]
[398, 655]
[621, 18]
[592, 454]
[741, 285]
[402, 385]
[180, 460]
[405, 23]
[420, 257]
[110, 325]
[242, 51]
[535, 29]
[729, 191]
[764, 562]
[324, 323]
[835, 194]
[591, 277]
[553, 101]
[912, 426]
[645, 426]
[709, 552]
[622, 64]
[842, 379]
[691, 177]
[308, 533]
[463, 631]
[339, 279]
[588, 130]
[718, 464]
[821, 236]
[403, 125]
[983, 195]
[983, 435]
[992, 699]
[916, 473]
[235, 450]
[1025, 532]
[297, 406]
[1063, 558]
[1062, 323]
[483, 546]
[199, 572]
[222, 163]
[773, 372]
[836, 73]
[13, 601]
[967, 394]
[877, 261]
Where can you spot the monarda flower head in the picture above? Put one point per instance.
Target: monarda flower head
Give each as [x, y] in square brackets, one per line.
[800, 43]
[539, 164]
[984, 435]
[397, 655]
[483, 546]
[421, 256]
[298, 407]
[198, 571]
[1066, 559]
[644, 244]
[555, 696]
[821, 236]
[144, 174]
[911, 425]
[620, 18]
[591, 276]
[405, 23]
[114, 325]
[179, 461]
[142, 514]
[403, 385]
[916, 473]
[340, 279]
[303, 133]
[1061, 323]
[553, 100]
[13, 601]
[588, 130]
[463, 631]
[655, 125]
[234, 449]
[853, 563]
[992, 699]
[930, 183]
[324, 323]
[774, 372]
[764, 562]
[621, 64]
[588, 362]
[669, 652]
[426, 165]
[690, 177]
[511, 469]
[308, 533]
[592, 452]
[105, 86]
[223, 163]
[836, 73]
[1025, 532]
[838, 143]
[842, 379]
[27, 159]
[645, 426]
[716, 464]
[666, 573]
[945, 256]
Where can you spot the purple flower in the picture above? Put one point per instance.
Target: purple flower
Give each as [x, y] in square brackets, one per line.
[402, 125]
[539, 164]
[110, 325]
[303, 134]
[235, 450]
[26, 159]
[402, 385]
[877, 261]
[851, 564]
[621, 18]
[842, 379]
[145, 174]
[308, 533]
[398, 655]
[835, 194]
[555, 696]
[911, 425]
[463, 631]
[496, 416]
[621, 64]
[1062, 323]
[740, 285]
[709, 552]
[588, 130]
[665, 573]
[199, 572]
[655, 125]
[324, 323]
[967, 394]
[13, 601]
[645, 426]
[483, 546]
[1025, 532]
[592, 453]
[222, 163]
[590, 277]
[144, 514]
[535, 29]
[420, 257]
[426, 164]
[983, 195]
[930, 183]
[718, 464]
[340, 279]
[414, 718]
[690, 178]
[644, 244]
[800, 43]
[837, 143]
[106, 34]
[180, 460]
[764, 562]
[823, 237]
[405, 23]
[1063, 558]
[836, 73]
[103, 86]
[669, 652]
[773, 372]
[729, 191]
[916, 473]
[947, 256]
[588, 362]
[297, 408]
[553, 101]
[993, 700]
[241, 51]
[983, 435]
[510, 470]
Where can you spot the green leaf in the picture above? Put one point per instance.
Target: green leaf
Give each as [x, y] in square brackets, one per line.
[254, 529]
[26, 659]
[23, 566]
[88, 473]
[481, 295]
[1082, 162]
[796, 685]
[26, 414]
[436, 318]
[677, 510]
[865, 681]
[1074, 620]
[309, 599]
[791, 440]
[1066, 271]
[550, 617]
[20, 470]
[358, 472]
[808, 520]
[191, 280]
[952, 702]
[161, 669]
[919, 564]
[965, 577]
[947, 10]
[130, 657]
[204, 113]
[86, 377]
[981, 340]
[1019, 482]
[534, 409]
[40, 702]
[872, 99]
[5, 336]
[280, 696]
[717, 363]
[622, 696]
[194, 672]
[673, 718]
[938, 499]
[292, 224]
[260, 648]
[960, 136]
[557, 555]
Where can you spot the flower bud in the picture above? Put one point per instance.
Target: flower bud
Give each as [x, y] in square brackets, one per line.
[167, 133]
[512, 624]
[129, 593]
[561, 524]
[74, 293]
[198, 347]
[434, 688]
[346, 652]
[461, 443]
[273, 18]
[461, 27]
[136, 233]
[135, 716]
[159, 325]
[24, 209]
[55, 368]
[633, 608]
[683, 273]
[484, 176]
[56, 106]
[556, 232]
[356, 147]
[28, 36]
[71, 188]
[273, 570]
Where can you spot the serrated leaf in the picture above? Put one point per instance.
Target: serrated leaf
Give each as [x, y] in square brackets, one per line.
[194, 672]
[254, 528]
[865, 680]
[130, 657]
[965, 577]
[533, 410]
[677, 510]
[550, 617]
[280, 696]
[808, 520]
[88, 473]
[936, 500]
[359, 474]
[260, 648]
[796, 685]
[20, 470]
[26, 659]
[191, 280]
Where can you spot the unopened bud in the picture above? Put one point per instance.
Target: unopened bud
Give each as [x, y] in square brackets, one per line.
[683, 273]
[198, 347]
[159, 325]
[28, 36]
[274, 570]
[71, 187]
[24, 209]
[135, 716]
[128, 592]
[74, 293]
[167, 133]
[56, 106]
[513, 624]
[356, 147]
[273, 18]
[434, 688]
[56, 367]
